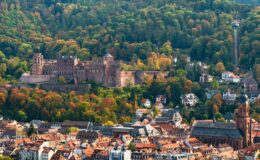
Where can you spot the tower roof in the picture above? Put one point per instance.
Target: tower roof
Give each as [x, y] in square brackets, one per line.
[108, 55]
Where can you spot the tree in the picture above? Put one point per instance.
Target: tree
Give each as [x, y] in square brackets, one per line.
[166, 48]
[22, 116]
[220, 68]
[31, 130]
[132, 147]
[5, 158]
[2, 69]
[109, 123]
[25, 50]
[2, 99]
[156, 111]
[62, 80]
[188, 86]
[73, 129]
[2, 57]
[217, 100]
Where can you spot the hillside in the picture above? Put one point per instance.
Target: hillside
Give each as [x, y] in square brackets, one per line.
[250, 2]
[130, 30]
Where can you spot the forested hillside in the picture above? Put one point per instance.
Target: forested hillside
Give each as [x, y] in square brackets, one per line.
[129, 29]
[144, 33]
[250, 2]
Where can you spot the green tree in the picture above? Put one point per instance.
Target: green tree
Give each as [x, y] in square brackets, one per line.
[166, 48]
[2, 69]
[31, 130]
[5, 158]
[73, 129]
[132, 147]
[22, 116]
[62, 80]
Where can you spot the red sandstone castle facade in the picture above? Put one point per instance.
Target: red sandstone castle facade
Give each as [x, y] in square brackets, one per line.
[105, 71]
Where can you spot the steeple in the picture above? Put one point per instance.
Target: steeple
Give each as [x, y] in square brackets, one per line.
[243, 121]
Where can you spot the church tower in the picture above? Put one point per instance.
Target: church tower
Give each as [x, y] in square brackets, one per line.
[243, 122]
[38, 63]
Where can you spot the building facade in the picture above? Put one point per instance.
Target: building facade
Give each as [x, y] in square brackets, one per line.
[237, 134]
[105, 71]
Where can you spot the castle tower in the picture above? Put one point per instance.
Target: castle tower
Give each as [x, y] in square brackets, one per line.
[108, 58]
[243, 122]
[38, 63]
[110, 71]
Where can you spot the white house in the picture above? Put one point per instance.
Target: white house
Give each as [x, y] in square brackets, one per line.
[161, 99]
[47, 153]
[189, 99]
[206, 78]
[254, 98]
[177, 119]
[120, 154]
[33, 151]
[211, 93]
[230, 77]
[229, 97]
[146, 103]
[140, 112]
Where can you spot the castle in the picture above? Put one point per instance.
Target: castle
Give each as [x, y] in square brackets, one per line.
[105, 71]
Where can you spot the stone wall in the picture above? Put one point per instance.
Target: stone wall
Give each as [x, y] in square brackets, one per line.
[80, 88]
[126, 78]
[34, 79]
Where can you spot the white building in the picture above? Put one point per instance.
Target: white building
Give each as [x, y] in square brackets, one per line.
[146, 103]
[140, 112]
[229, 97]
[230, 77]
[189, 99]
[177, 119]
[46, 153]
[206, 78]
[120, 154]
[172, 156]
[34, 152]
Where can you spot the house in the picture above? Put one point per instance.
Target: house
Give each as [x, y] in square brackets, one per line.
[170, 116]
[103, 155]
[139, 113]
[229, 97]
[120, 154]
[206, 78]
[139, 155]
[47, 153]
[254, 97]
[160, 99]
[171, 156]
[230, 77]
[88, 135]
[211, 93]
[151, 131]
[146, 103]
[62, 154]
[249, 85]
[33, 150]
[189, 99]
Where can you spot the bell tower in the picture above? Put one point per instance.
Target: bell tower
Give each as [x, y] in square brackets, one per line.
[243, 121]
[38, 63]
